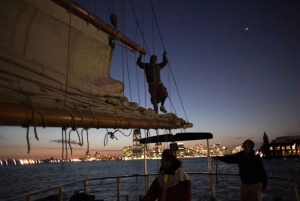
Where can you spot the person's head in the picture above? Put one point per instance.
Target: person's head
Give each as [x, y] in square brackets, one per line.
[167, 158]
[153, 59]
[248, 146]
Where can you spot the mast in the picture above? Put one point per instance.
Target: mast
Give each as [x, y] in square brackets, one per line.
[99, 24]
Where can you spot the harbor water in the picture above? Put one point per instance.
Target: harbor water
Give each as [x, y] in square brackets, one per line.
[17, 180]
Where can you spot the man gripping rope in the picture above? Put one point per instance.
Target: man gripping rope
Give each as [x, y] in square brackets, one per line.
[156, 88]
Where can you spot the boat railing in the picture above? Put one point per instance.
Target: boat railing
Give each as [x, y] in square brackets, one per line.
[85, 185]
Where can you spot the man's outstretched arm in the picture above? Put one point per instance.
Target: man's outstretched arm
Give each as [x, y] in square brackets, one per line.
[140, 63]
[165, 60]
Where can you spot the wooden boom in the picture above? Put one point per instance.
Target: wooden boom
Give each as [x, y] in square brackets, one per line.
[23, 115]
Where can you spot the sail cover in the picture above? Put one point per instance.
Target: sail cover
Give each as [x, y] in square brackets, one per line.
[49, 59]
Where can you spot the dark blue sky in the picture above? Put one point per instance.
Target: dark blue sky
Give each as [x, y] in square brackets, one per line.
[234, 83]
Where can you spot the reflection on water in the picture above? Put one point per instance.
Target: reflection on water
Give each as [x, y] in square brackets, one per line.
[18, 180]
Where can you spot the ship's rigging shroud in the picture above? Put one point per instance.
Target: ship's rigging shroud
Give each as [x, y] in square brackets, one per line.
[39, 51]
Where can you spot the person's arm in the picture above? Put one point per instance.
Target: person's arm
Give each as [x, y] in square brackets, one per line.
[164, 62]
[185, 190]
[153, 192]
[140, 63]
[263, 176]
[228, 159]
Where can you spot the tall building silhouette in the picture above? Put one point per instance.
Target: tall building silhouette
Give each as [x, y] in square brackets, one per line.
[136, 145]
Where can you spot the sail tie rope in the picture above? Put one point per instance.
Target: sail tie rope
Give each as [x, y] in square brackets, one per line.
[87, 138]
[81, 119]
[148, 123]
[32, 121]
[95, 116]
[73, 122]
[64, 143]
[88, 19]
[99, 26]
[157, 123]
[129, 123]
[74, 128]
[93, 119]
[118, 36]
[140, 122]
[115, 121]
[80, 143]
[112, 136]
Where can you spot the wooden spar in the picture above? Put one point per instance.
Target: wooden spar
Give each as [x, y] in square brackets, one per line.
[99, 24]
[21, 115]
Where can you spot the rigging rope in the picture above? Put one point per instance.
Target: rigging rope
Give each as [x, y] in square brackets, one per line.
[112, 135]
[79, 143]
[139, 27]
[218, 167]
[68, 52]
[136, 69]
[123, 17]
[110, 7]
[32, 121]
[152, 7]
[87, 138]
[143, 37]
[62, 148]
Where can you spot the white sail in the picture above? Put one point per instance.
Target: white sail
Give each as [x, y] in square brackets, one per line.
[52, 59]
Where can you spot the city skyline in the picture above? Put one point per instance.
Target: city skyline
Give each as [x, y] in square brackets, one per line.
[79, 152]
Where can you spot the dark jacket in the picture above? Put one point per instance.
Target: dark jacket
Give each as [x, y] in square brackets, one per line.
[251, 168]
[152, 71]
[172, 185]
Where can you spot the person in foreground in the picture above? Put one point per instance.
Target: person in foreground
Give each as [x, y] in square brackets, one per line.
[156, 88]
[251, 170]
[171, 183]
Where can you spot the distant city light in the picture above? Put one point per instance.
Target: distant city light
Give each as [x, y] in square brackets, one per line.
[247, 28]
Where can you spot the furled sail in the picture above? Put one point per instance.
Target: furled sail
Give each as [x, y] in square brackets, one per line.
[56, 69]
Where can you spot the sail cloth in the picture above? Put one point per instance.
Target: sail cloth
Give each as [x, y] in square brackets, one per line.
[39, 51]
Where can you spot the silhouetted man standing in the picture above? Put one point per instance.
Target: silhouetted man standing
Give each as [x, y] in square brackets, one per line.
[252, 172]
[155, 87]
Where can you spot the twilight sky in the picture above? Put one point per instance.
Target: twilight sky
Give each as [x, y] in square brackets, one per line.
[235, 83]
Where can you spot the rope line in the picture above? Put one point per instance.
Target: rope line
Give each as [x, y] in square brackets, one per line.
[62, 148]
[152, 7]
[87, 138]
[139, 27]
[32, 120]
[222, 180]
[66, 143]
[68, 57]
